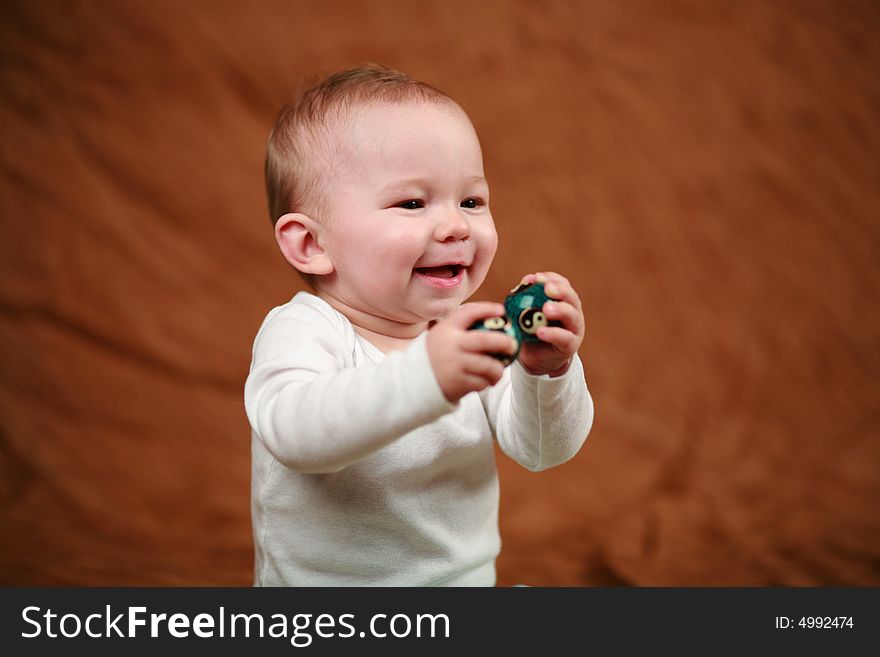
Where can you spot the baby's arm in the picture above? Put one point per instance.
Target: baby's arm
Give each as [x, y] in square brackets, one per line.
[317, 413]
[540, 421]
[541, 414]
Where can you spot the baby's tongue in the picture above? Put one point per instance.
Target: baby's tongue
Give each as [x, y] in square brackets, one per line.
[440, 272]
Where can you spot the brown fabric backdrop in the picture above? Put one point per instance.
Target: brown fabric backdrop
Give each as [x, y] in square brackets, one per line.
[706, 174]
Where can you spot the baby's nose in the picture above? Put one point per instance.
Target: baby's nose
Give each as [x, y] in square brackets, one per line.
[453, 227]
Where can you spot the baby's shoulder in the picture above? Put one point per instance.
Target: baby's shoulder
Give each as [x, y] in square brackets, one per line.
[305, 320]
[306, 310]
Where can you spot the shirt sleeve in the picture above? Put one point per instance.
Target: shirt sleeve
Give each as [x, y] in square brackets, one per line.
[316, 415]
[539, 421]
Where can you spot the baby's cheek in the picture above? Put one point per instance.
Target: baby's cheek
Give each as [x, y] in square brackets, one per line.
[401, 248]
[488, 234]
[487, 243]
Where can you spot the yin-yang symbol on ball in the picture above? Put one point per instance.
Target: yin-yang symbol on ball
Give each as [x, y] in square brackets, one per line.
[531, 319]
[494, 323]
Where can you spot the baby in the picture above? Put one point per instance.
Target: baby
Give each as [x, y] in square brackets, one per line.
[373, 408]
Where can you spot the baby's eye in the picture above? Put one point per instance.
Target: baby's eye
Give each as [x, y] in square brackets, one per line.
[472, 203]
[412, 204]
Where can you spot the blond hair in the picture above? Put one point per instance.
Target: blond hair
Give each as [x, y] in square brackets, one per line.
[297, 148]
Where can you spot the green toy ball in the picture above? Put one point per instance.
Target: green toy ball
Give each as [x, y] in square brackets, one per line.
[502, 325]
[524, 306]
[524, 316]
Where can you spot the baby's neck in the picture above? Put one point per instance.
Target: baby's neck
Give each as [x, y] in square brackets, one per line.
[386, 335]
[384, 343]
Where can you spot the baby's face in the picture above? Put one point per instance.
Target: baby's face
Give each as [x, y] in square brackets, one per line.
[407, 221]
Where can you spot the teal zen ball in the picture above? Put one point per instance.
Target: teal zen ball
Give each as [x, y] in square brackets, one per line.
[524, 306]
[502, 325]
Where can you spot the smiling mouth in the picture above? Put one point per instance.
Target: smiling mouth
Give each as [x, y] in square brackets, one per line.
[443, 271]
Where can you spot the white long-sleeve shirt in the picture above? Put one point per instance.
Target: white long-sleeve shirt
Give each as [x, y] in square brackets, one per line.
[365, 474]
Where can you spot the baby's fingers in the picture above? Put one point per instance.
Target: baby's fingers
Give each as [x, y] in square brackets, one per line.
[489, 342]
[486, 368]
[562, 311]
[562, 339]
[559, 288]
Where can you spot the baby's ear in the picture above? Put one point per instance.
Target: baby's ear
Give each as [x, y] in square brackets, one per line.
[298, 237]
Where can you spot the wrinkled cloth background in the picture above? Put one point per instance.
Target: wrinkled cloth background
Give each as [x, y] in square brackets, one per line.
[705, 173]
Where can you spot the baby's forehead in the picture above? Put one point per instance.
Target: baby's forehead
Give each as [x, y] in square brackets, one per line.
[347, 123]
[361, 127]
[387, 137]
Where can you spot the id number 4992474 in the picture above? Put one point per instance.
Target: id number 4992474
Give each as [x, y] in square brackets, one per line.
[814, 622]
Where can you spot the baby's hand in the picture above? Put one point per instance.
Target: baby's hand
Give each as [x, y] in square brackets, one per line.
[558, 343]
[460, 357]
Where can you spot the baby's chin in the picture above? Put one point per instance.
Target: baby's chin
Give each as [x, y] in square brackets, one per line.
[442, 303]
[437, 309]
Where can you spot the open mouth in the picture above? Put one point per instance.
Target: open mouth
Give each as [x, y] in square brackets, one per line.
[443, 271]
